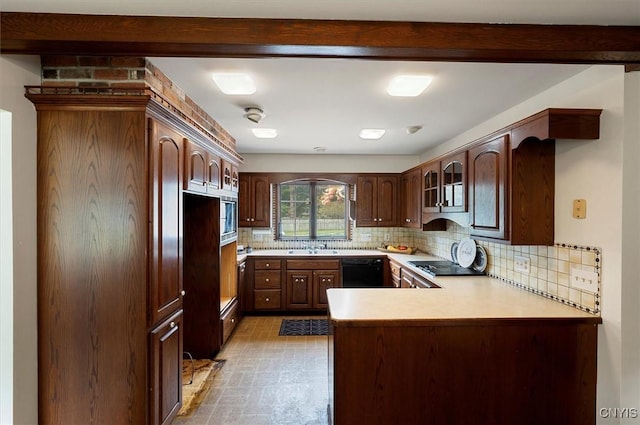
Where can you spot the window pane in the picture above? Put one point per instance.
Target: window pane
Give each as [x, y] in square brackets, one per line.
[331, 211]
[294, 210]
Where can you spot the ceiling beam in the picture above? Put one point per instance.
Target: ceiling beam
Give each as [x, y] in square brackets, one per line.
[69, 34]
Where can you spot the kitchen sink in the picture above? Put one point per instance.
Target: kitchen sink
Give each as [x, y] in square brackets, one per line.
[312, 252]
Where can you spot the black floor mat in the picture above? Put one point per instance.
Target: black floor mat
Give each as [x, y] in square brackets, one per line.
[298, 327]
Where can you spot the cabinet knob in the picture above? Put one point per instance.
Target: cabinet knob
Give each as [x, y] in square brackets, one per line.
[266, 265]
[183, 293]
[248, 219]
[266, 280]
[324, 280]
[233, 320]
[253, 219]
[267, 299]
[172, 324]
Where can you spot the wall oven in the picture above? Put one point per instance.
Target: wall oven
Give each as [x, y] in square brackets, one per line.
[228, 219]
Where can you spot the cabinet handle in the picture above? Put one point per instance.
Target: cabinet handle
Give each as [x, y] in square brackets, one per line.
[172, 325]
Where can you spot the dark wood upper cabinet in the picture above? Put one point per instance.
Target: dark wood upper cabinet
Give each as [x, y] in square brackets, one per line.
[487, 189]
[254, 200]
[410, 185]
[377, 200]
[512, 176]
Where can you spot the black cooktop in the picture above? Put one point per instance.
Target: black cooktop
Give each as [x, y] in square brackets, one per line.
[444, 268]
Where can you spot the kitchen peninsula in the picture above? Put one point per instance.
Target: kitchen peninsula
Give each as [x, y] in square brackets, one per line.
[475, 351]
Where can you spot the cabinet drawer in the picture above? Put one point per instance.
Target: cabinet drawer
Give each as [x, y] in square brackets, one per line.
[267, 299]
[267, 279]
[266, 264]
[229, 321]
[395, 270]
[313, 264]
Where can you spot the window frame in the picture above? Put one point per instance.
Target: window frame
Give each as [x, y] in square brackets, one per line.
[312, 211]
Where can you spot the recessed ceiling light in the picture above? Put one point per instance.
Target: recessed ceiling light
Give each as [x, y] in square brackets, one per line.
[371, 133]
[408, 85]
[234, 83]
[265, 133]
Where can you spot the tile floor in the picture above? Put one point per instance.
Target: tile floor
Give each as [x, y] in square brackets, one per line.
[267, 379]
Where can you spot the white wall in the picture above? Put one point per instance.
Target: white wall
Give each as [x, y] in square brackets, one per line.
[630, 391]
[16, 72]
[6, 271]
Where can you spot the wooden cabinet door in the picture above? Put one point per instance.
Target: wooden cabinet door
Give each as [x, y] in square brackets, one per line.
[387, 201]
[323, 280]
[299, 289]
[196, 175]
[366, 201]
[254, 201]
[226, 175]
[245, 201]
[453, 173]
[166, 370]
[166, 221]
[431, 187]
[488, 188]
[261, 201]
[213, 173]
[410, 199]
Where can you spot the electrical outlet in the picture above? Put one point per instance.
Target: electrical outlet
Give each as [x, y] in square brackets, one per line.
[521, 264]
[387, 237]
[584, 279]
[365, 237]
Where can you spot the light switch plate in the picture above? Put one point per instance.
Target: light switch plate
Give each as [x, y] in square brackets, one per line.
[584, 280]
[579, 208]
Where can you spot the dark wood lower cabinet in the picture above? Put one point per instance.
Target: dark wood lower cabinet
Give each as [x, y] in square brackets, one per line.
[477, 372]
[166, 370]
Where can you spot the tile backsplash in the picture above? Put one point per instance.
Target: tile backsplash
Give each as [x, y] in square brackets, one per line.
[550, 266]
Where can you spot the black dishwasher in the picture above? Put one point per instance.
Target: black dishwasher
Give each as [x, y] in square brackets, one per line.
[362, 273]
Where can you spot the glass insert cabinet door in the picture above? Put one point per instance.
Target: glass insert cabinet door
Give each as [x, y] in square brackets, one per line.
[431, 188]
[452, 185]
[444, 185]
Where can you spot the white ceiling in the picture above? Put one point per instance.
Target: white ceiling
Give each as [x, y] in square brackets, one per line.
[325, 102]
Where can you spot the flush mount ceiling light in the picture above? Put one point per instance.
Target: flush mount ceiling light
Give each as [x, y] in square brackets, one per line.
[408, 85]
[265, 133]
[254, 114]
[234, 83]
[371, 133]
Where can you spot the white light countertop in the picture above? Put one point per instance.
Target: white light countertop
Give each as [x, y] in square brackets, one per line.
[467, 299]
